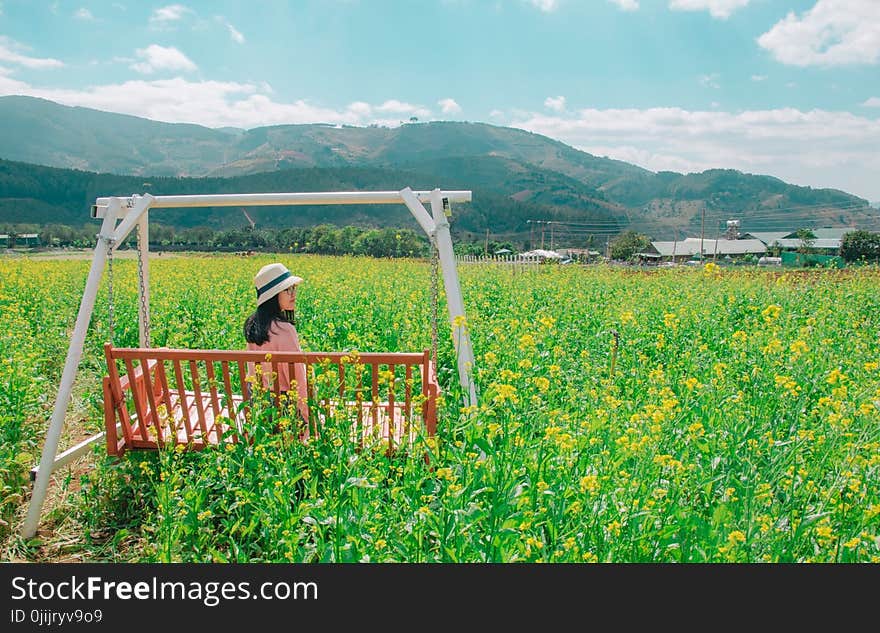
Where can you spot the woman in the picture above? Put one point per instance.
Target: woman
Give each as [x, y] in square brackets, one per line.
[271, 329]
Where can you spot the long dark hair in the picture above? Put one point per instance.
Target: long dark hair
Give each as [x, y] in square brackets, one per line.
[258, 325]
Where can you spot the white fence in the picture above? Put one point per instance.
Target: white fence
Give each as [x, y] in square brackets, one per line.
[512, 260]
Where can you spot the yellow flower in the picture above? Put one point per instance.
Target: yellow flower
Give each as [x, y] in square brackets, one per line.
[771, 312]
[445, 473]
[852, 543]
[526, 342]
[773, 347]
[736, 537]
[824, 532]
[799, 347]
[836, 376]
[590, 484]
[504, 393]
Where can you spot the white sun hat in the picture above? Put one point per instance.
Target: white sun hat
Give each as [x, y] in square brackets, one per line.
[272, 279]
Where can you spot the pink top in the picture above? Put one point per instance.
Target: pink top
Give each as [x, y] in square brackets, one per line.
[283, 338]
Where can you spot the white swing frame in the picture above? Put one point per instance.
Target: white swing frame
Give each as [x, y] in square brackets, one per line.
[133, 211]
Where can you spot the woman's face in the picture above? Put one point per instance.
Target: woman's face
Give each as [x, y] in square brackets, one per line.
[287, 299]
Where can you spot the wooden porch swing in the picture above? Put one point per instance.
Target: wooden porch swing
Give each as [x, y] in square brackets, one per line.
[155, 397]
[186, 397]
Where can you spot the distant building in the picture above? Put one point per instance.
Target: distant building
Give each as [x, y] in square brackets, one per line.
[27, 240]
[542, 255]
[827, 241]
[580, 254]
[4, 240]
[681, 250]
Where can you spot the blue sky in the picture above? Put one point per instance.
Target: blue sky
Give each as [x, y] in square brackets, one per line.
[789, 88]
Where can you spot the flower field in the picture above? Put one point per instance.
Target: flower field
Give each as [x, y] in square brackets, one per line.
[705, 415]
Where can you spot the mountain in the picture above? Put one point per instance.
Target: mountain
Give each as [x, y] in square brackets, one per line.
[513, 169]
[36, 194]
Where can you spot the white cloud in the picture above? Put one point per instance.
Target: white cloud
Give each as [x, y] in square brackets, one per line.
[234, 33]
[215, 103]
[717, 8]
[9, 52]
[157, 57]
[361, 109]
[832, 33]
[394, 106]
[172, 13]
[556, 104]
[759, 77]
[83, 14]
[710, 81]
[873, 102]
[627, 5]
[817, 148]
[545, 5]
[449, 106]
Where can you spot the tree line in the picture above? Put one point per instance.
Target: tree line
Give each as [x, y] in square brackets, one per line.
[323, 239]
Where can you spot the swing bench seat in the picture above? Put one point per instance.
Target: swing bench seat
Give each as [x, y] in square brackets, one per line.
[155, 397]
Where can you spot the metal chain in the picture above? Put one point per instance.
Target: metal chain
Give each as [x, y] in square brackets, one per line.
[143, 293]
[111, 325]
[435, 264]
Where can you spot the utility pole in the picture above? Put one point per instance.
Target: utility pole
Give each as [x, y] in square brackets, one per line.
[702, 225]
[543, 224]
[486, 248]
[531, 234]
[551, 235]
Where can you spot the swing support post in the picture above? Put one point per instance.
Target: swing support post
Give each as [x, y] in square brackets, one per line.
[74, 354]
[454, 301]
[437, 229]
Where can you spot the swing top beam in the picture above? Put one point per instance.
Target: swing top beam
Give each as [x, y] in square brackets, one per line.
[276, 199]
